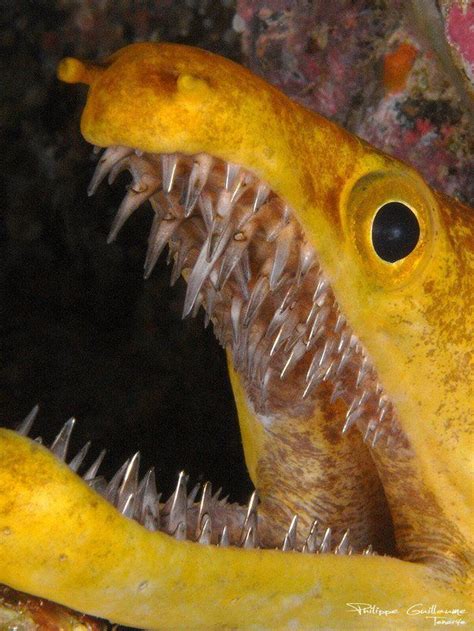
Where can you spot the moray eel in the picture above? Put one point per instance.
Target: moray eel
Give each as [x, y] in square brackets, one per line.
[342, 288]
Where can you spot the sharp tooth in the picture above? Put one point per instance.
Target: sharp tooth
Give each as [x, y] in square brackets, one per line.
[260, 364]
[178, 511]
[274, 228]
[180, 260]
[343, 546]
[217, 494]
[344, 341]
[338, 392]
[310, 542]
[379, 432]
[345, 357]
[321, 290]
[130, 203]
[226, 202]
[218, 239]
[113, 486]
[99, 485]
[79, 457]
[305, 262]
[296, 354]
[161, 235]
[325, 545]
[206, 531]
[258, 295]
[289, 542]
[240, 349]
[352, 416]
[255, 350]
[282, 253]
[207, 211]
[202, 268]
[148, 502]
[25, 426]
[169, 162]
[340, 322]
[297, 331]
[371, 425]
[233, 254]
[232, 170]
[197, 181]
[91, 472]
[318, 325]
[315, 308]
[61, 442]
[127, 507]
[224, 540]
[261, 196]
[317, 376]
[321, 359]
[241, 278]
[312, 383]
[331, 369]
[368, 551]
[211, 299]
[192, 495]
[204, 505]
[119, 167]
[197, 305]
[279, 339]
[363, 370]
[196, 280]
[180, 532]
[245, 266]
[235, 311]
[129, 487]
[279, 317]
[248, 537]
[111, 156]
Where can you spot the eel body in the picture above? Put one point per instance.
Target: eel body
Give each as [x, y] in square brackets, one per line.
[342, 288]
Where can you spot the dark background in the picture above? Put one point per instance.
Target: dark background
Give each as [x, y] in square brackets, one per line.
[81, 333]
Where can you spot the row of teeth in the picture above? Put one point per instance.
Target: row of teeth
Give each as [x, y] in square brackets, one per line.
[181, 516]
[213, 214]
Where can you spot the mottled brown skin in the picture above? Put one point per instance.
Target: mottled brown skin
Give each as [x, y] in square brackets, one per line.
[322, 475]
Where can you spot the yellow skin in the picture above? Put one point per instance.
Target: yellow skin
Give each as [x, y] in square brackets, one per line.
[414, 317]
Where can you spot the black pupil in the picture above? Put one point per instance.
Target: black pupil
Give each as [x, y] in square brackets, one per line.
[395, 231]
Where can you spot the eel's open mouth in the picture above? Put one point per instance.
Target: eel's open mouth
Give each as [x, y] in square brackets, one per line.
[248, 264]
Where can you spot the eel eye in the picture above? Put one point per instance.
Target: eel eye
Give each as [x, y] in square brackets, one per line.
[395, 231]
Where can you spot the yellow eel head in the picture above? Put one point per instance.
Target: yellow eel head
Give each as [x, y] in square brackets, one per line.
[342, 287]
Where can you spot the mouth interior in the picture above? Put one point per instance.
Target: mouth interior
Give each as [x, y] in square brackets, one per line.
[248, 264]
